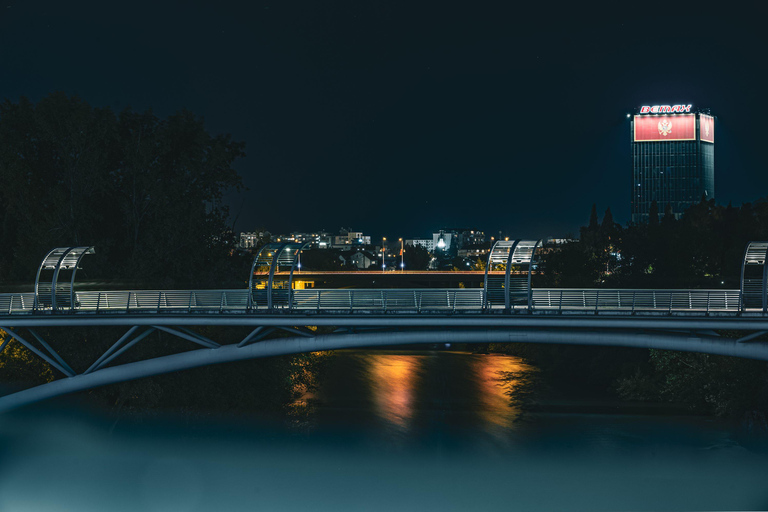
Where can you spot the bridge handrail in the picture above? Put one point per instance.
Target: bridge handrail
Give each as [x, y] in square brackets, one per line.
[462, 300]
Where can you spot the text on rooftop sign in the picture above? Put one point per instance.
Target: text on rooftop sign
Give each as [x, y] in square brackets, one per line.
[665, 109]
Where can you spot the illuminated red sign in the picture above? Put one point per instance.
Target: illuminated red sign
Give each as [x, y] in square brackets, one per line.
[707, 128]
[665, 109]
[674, 127]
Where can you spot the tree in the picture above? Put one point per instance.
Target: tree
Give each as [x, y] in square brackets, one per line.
[416, 257]
[608, 224]
[593, 222]
[653, 214]
[145, 191]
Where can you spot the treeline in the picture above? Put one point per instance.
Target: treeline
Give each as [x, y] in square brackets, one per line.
[703, 249]
[145, 191]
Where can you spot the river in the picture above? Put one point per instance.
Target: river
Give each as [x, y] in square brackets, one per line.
[390, 430]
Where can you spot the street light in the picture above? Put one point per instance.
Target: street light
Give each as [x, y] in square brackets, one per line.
[383, 254]
[402, 256]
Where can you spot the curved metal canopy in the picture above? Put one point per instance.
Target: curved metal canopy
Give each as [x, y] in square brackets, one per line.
[262, 279]
[754, 276]
[54, 293]
[507, 288]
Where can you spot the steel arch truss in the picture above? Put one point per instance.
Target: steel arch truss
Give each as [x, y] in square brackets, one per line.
[511, 290]
[264, 290]
[131, 338]
[754, 277]
[55, 294]
[100, 373]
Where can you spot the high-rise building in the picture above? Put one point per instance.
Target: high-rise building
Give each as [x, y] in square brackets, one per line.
[673, 158]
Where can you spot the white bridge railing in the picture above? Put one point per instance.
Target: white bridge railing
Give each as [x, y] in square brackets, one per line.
[461, 300]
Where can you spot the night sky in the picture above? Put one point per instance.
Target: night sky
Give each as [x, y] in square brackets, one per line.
[397, 119]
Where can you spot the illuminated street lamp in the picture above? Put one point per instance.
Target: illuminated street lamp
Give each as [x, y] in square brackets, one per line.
[383, 254]
[402, 256]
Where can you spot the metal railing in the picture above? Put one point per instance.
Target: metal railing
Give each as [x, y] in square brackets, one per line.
[347, 301]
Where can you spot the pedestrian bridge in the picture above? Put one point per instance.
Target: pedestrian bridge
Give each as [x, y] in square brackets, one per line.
[506, 309]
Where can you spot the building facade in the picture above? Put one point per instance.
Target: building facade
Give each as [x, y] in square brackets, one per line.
[426, 243]
[673, 159]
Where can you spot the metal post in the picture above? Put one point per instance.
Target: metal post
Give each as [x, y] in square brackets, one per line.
[506, 275]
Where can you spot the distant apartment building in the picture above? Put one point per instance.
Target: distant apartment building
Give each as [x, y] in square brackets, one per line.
[324, 240]
[473, 251]
[449, 241]
[347, 238]
[425, 243]
[252, 239]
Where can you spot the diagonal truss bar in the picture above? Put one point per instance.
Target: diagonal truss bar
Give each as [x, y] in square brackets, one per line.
[255, 335]
[111, 349]
[55, 364]
[5, 343]
[751, 336]
[198, 336]
[195, 339]
[99, 365]
[296, 330]
[51, 351]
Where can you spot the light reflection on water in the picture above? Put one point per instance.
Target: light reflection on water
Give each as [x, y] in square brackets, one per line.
[498, 378]
[393, 380]
[404, 397]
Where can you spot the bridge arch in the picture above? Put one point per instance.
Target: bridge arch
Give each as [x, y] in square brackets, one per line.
[754, 277]
[264, 291]
[664, 340]
[55, 294]
[508, 289]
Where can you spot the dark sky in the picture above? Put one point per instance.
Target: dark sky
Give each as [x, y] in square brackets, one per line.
[396, 118]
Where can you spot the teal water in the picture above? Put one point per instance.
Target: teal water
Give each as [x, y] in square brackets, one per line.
[389, 430]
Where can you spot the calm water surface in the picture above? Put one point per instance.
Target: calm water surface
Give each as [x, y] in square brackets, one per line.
[390, 430]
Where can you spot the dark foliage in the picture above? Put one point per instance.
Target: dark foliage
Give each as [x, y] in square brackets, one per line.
[147, 193]
[703, 249]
